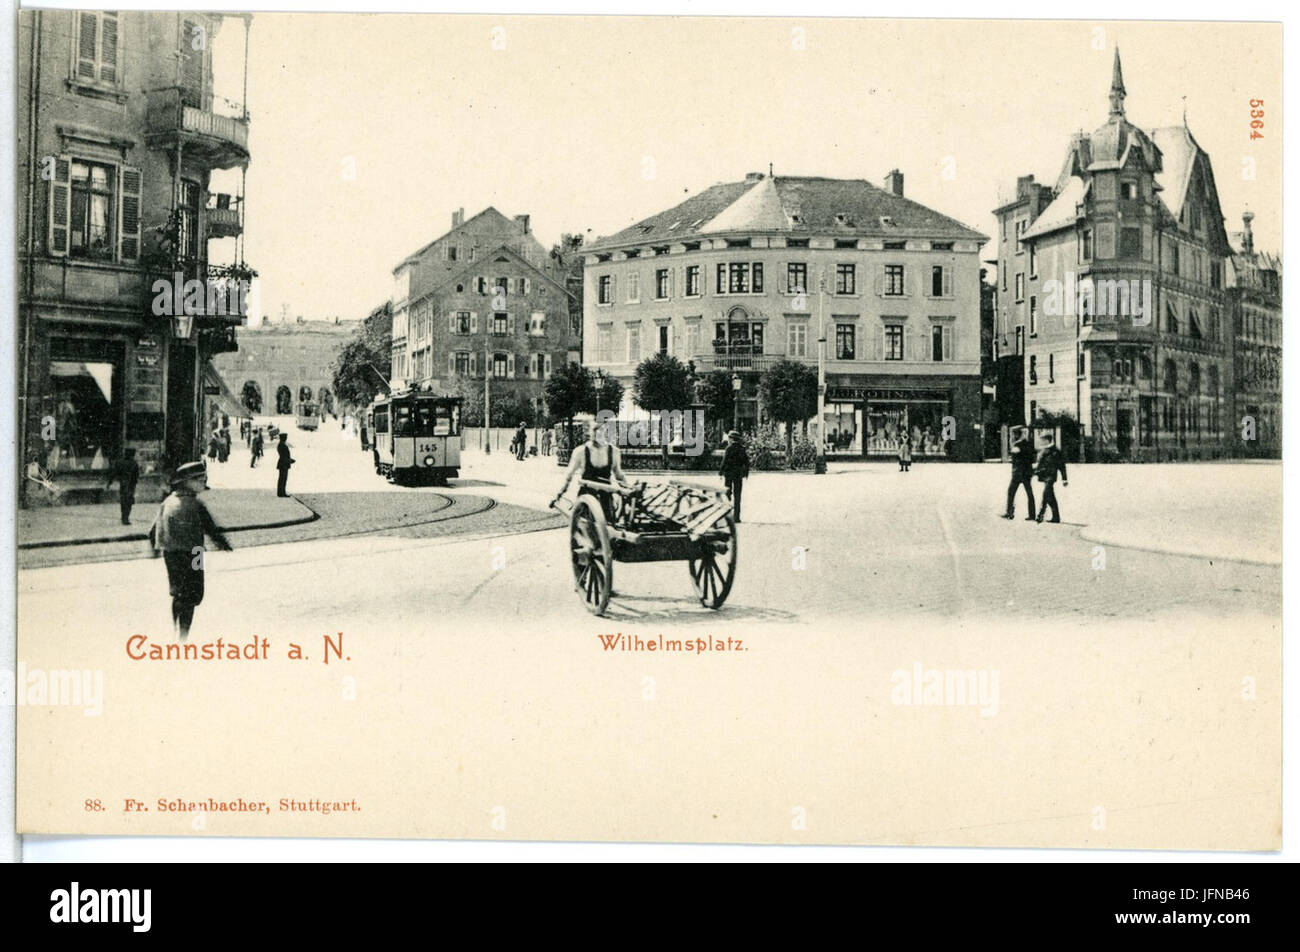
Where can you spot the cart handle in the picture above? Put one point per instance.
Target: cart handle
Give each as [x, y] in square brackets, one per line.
[612, 487]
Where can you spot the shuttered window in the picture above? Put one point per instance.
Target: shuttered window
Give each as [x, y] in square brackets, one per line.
[95, 50]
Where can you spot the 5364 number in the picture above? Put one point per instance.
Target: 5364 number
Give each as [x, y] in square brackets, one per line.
[1256, 118]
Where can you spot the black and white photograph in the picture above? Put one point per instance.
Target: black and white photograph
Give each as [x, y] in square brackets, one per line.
[753, 429]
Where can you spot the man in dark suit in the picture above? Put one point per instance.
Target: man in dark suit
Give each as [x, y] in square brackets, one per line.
[283, 464]
[1022, 472]
[1050, 461]
[126, 473]
[735, 469]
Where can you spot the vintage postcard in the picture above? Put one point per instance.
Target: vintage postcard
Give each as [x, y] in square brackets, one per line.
[654, 429]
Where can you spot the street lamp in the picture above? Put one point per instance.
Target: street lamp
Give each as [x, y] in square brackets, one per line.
[735, 401]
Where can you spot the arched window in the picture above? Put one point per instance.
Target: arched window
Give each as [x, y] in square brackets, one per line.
[283, 400]
[1194, 379]
[1171, 376]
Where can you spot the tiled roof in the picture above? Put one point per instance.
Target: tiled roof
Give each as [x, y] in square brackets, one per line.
[792, 205]
[1062, 213]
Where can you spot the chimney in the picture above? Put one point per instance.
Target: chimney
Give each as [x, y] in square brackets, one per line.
[523, 223]
[894, 182]
[1247, 239]
[458, 218]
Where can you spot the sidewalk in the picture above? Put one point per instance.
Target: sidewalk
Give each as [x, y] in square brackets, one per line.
[232, 509]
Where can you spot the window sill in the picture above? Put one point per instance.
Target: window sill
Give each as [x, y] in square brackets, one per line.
[114, 94]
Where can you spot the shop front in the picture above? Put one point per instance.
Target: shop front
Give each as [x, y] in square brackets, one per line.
[872, 421]
[94, 392]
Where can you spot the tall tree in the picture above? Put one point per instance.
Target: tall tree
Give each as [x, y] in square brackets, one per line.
[662, 382]
[788, 390]
[361, 369]
[569, 392]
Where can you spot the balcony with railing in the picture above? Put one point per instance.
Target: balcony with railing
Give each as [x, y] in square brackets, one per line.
[223, 217]
[218, 141]
[734, 355]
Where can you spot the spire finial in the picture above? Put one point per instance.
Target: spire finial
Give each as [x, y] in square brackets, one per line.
[1116, 87]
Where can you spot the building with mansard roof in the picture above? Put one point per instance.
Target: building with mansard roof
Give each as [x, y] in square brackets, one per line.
[1112, 293]
[746, 273]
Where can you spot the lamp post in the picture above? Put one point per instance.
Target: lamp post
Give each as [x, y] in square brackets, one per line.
[820, 465]
[735, 401]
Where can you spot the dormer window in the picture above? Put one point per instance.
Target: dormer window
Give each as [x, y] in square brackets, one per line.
[841, 218]
[886, 221]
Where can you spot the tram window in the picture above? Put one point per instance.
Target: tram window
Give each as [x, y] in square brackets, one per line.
[442, 425]
[402, 420]
[380, 420]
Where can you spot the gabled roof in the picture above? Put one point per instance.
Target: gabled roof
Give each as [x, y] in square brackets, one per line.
[796, 205]
[414, 256]
[485, 259]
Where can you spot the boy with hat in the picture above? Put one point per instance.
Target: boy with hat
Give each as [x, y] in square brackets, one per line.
[177, 533]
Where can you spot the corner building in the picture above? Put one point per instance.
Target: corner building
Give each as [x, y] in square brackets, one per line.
[746, 273]
[1142, 363]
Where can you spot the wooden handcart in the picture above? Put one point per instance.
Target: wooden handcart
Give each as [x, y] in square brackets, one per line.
[659, 522]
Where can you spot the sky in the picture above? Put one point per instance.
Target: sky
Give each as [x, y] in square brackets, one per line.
[367, 131]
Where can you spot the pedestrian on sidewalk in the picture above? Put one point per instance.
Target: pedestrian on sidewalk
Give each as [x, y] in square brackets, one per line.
[259, 445]
[283, 464]
[546, 442]
[904, 453]
[1050, 461]
[177, 535]
[1022, 471]
[223, 446]
[734, 470]
[520, 445]
[126, 473]
[214, 441]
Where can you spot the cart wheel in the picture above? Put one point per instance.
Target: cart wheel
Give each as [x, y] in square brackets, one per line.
[715, 568]
[593, 557]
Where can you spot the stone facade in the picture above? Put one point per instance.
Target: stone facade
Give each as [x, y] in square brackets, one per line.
[1255, 296]
[747, 273]
[483, 299]
[118, 135]
[285, 364]
[1119, 293]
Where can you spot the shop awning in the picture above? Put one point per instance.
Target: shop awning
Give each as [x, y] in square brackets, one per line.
[217, 393]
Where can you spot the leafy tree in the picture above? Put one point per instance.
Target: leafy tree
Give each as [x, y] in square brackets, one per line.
[471, 394]
[662, 382]
[788, 391]
[361, 367]
[252, 397]
[569, 392]
[714, 391]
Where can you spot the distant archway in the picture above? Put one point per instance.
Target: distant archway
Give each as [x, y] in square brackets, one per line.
[283, 400]
[251, 396]
[304, 394]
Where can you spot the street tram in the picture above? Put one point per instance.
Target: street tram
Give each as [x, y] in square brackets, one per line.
[417, 437]
[308, 415]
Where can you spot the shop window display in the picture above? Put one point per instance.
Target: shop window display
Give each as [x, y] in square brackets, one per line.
[81, 409]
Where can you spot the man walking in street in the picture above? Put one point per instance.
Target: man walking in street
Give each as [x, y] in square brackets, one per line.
[734, 470]
[283, 464]
[257, 448]
[177, 535]
[126, 473]
[521, 441]
[1050, 461]
[1022, 471]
